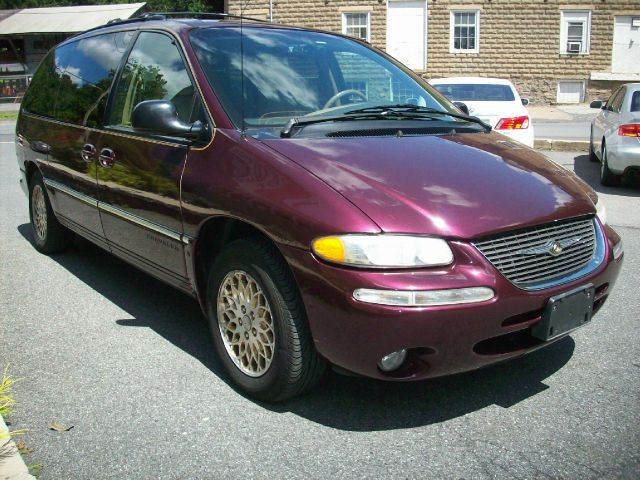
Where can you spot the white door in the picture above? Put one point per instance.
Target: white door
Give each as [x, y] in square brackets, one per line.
[625, 57]
[407, 32]
[570, 92]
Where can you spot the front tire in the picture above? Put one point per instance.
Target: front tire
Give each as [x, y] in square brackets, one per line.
[607, 177]
[258, 322]
[49, 235]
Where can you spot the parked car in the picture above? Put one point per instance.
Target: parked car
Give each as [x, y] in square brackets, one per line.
[615, 134]
[494, 100]
[324, 204]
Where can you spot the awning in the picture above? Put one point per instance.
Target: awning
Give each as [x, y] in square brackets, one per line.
[65, 19]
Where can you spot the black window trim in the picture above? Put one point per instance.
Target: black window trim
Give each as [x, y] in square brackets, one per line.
[107, 111]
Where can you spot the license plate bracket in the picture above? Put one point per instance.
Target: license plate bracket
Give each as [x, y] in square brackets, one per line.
[565, 312]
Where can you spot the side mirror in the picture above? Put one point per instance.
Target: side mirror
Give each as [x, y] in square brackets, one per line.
[463, 107]
[525, 101]
[596, 104]
[160, 117]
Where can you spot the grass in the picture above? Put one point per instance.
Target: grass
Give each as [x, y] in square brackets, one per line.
[8, 115]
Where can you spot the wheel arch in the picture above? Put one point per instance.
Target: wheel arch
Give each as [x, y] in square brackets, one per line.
[30, 168]
[213, 235]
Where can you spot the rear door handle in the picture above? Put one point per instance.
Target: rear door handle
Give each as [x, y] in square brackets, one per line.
[40, 147]
[107, 157]
[88, 153]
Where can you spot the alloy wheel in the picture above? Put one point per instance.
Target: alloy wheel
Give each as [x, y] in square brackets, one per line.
[245, 323]
[39, 212]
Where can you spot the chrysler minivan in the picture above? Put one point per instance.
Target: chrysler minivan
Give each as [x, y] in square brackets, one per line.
[323, 203]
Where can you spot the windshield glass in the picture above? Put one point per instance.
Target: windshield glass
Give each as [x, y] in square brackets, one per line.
[293, 73]
[475, 92]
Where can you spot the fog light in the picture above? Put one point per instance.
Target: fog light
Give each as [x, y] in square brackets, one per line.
[392, 362]
[424, 298]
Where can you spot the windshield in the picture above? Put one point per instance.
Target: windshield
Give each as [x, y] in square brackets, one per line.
[293, 73]
[475, 92]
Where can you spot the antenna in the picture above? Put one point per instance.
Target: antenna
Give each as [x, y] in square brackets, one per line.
[243, 132]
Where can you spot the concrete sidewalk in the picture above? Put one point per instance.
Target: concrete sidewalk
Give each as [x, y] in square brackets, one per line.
[562, 127]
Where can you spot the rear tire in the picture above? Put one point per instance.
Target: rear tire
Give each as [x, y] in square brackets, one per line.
[258, 322]
[607, 177]
[49, 235]
[592, 154]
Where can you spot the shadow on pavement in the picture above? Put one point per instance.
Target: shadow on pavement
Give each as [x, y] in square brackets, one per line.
[341, 402]
[590, 173]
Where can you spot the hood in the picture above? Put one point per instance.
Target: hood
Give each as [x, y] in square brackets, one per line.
[461, 186]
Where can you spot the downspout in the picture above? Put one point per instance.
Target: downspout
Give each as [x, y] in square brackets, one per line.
[271, 11]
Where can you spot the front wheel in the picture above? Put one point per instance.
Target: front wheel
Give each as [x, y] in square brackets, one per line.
[49, 236]
[258, 322]
[607, 177]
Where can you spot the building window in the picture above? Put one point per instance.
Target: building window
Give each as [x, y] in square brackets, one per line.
[464, 31]
[357, 25]
[575, 32]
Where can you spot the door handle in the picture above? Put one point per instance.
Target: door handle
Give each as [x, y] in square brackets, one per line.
[40, 147]
[107, 157]
[88, 153]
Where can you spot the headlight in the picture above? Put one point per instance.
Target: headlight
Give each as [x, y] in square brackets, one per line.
[383, 250]
[601, 212]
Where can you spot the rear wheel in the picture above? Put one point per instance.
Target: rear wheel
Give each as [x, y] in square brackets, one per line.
[607, 177]
[592, 154]
[49, 236]
[258, 322]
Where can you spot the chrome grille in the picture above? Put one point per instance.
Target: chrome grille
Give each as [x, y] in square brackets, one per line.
[526, 259]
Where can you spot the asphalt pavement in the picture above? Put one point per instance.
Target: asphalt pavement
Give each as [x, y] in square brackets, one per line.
[127, 361]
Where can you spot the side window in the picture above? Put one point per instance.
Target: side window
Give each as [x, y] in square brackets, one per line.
[88, 67]
[617, 102]
[40, 96]
[154, 71]
[613, 98]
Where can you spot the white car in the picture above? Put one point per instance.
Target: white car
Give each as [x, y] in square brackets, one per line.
[615, 134]
[493, 100]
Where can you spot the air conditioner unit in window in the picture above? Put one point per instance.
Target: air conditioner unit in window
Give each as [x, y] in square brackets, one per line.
[574, 47]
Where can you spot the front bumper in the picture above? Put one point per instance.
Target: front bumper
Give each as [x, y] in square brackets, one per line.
[441, 340]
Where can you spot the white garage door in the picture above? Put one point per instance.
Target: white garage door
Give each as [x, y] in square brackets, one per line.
[625, 57]
[570, 92]
[406, 32]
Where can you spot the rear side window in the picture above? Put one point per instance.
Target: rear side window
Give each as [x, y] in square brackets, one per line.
[72, 83]
[40, 96]
[635, 102]
[88, 68]
[154, 71]
[468, 92]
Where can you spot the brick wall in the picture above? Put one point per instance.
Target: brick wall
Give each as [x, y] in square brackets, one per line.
[519, 39]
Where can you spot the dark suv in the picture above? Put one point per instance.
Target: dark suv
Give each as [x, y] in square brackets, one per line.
[321, 201]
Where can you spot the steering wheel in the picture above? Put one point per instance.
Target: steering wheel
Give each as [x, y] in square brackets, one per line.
[341, 94]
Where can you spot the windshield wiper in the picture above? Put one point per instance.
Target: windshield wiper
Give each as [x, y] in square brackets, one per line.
[377, 113]
[407, 108]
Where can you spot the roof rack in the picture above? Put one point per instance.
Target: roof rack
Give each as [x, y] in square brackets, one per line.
[149, 16]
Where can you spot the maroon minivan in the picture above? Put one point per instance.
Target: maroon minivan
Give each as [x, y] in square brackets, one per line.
[323, 203]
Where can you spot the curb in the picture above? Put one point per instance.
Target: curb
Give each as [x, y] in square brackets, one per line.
[12, 466]
[561, 145]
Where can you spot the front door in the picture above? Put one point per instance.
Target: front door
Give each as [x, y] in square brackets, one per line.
[139, 175]
[406, 32]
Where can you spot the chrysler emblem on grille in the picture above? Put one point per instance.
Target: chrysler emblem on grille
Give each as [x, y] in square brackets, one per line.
[552, 247]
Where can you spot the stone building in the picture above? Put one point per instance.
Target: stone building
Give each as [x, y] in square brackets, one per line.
[555, 51]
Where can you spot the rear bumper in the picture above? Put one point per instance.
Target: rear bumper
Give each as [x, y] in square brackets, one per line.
[442, 340]
[624, 155]
[525, 136]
